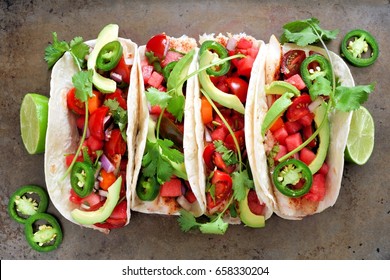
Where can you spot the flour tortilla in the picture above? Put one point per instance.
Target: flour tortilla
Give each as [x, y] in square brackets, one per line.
[62, 137]
[161, 205]
[257, 77]
[298, 208]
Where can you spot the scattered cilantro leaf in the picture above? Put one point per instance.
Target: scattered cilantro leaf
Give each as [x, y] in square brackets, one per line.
[172, 154]
[218, 226]
[347, 99]
[241, 182]
[82, 81]
[176, 106]
[79, 51]
[304, 32]
[119, 115]
[321, 86]
[187, 221]
[156, 97]
[228, 156]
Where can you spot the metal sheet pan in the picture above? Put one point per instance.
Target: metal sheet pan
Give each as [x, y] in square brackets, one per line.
[357, 227]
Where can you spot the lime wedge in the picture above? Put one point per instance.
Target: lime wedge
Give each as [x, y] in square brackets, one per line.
[360, 141]
[281, 87]
[33, 122]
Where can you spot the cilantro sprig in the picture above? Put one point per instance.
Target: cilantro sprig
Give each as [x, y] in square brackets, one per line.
[77, 48]
[342, 98]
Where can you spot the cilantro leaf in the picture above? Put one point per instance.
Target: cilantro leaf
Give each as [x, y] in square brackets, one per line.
[350, 98]
[156, 97]
[306, 32]
[56, 50]
[321, 86]
[119, 115]
[172, 154]
[187, 221]
[82, 81]
[176, 106]
[228, 156]
[241, 182]
[217, 226]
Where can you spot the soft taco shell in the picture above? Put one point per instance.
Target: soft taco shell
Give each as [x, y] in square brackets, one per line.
[339, 128]
[255, 80]
[161, 205]
[62, 137]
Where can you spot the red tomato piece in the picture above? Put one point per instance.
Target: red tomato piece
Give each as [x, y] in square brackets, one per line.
[298, 108]
[158, 44]
[190, 196]
[307, 119]
[292, 127]
[171, 188]
[254, 204]
[208, 153]
[324, 169]
[119, 96]
[277, 124]
[155, 79]
[94, 144]
[282, 152]
[147, 71]
[297, 81]
[253, 52]
[307, 156]
[238, 87]
[171, 56]
[74, 103]
[69, 159]
[307, 132]
[244, 66]
[219, 133]
[123, 70]
[220, 163]
[223, 188]
[291, 62]
[293, 141]
[280, 135]
[317, 190]
[115, 144]
[244, 43]
[96, 123]
[155, 110]
[240, 136]
[74, 197]
[120, 211]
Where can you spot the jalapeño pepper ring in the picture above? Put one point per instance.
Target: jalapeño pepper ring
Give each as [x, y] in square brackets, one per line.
[23, 202]
[47, 237]
[288, 174]
[82, 178]
[353, 50]
[221, 52]
[109, 56]
[323, 69]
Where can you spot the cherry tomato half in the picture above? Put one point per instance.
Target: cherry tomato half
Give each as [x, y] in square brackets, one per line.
[238, 87]
[291, 62]
[95, 124]
[157, 44]
[74, 103]
[299, 108]
[116, 144]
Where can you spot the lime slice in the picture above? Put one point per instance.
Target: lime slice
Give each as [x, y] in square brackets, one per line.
[281, 87]
[33, 122]
[360, 141]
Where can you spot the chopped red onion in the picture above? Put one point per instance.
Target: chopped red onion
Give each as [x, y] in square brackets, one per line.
[231, 44]
[116, 77]
[103, 193]
[166, 47]
[313, 106]
[106, 164]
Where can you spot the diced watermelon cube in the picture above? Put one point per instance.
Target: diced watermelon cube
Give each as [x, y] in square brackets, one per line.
[307, 156]
[293, 141]
[171, 56]
[155, 79]
[244, 66]
[282, 152]
[147, 71]
[244, 43]
[171, 188]
[296, 81]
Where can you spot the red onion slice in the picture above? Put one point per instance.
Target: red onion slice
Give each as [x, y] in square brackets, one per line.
[116, 77]
[106, 164]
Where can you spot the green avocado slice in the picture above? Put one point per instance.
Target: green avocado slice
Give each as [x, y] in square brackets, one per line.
[100, 215]
[246, 215]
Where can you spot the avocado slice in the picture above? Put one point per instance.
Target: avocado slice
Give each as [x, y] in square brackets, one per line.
[277, 109]
[281, 87]
[100, 215]
[227, 100]
[247, 217]
[323, 135]
[108, 34]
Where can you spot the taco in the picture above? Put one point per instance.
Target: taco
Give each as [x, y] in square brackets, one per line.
[223, 108]
[165, 182]
[307, 181]
[91, 188]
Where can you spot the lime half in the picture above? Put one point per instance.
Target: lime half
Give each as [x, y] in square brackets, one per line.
[360, 141]
[33, 122]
